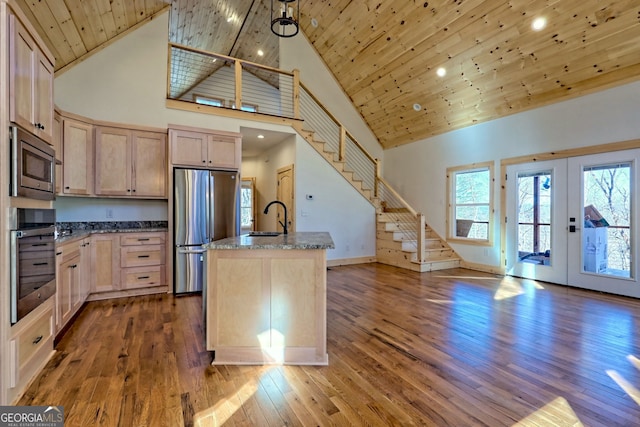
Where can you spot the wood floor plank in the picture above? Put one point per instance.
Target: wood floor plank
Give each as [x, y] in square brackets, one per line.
[445, 348]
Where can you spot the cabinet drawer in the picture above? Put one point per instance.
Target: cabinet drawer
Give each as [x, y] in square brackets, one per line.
[141, 277]
[32, 339]
[142, 239]
[137, 256]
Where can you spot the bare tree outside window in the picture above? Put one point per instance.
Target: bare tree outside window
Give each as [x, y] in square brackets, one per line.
[608, 188]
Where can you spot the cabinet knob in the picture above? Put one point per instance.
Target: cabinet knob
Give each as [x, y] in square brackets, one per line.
[204, 161]
[37, 340]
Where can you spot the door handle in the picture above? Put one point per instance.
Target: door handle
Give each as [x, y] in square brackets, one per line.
[573, 228]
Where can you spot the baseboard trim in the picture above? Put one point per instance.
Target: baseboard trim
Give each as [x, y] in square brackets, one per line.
[350, 261]
[493, 269]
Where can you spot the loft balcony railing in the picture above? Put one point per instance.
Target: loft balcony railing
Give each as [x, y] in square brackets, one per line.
[213, 80]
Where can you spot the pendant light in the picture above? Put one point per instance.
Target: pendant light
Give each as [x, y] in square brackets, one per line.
[285, 17]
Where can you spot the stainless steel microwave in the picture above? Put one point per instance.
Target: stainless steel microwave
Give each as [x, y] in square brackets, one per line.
[33, 167]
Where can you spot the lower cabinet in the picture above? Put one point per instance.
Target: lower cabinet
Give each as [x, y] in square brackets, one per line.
[128, 264]
[30, 346]
[73, 267]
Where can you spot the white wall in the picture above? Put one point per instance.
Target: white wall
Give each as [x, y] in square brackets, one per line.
[418, 170]
[336, 207]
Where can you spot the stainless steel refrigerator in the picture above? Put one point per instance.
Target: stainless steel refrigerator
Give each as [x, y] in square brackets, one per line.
[206, 208]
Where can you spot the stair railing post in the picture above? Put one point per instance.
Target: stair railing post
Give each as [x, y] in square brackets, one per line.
[421, 237]
[296, 94]
[238, 75]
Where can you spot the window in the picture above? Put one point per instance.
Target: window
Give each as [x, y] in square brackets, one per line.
[470, 192]
[252, 108]
[207, 100]
[247, 205]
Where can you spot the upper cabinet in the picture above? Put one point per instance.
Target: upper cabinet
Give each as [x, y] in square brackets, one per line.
[30, 83]
[77, 156]
[220, 150]
[130, 163]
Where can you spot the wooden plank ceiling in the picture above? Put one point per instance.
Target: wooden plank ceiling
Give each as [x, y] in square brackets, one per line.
[385, 53]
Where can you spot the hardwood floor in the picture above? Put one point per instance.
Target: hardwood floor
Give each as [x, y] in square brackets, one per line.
[446, 348]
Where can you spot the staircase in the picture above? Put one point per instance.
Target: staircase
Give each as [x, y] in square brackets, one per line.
[398, 227]
[397, 244]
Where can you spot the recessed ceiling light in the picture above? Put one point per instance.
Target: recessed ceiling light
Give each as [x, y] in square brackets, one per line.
[441, 72]
[417, 107]
[260, 136]
[539, 23]
[314, 22]
[260, 52]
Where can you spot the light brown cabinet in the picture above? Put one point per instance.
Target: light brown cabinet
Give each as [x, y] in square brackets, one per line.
[266, 302]
[57, 146]
[30, 83]
[128, 264]
[105, 263]
[130, 163]
[73, 269]
[77, 157]
[210, 150]
[142, 260]
[30, 345]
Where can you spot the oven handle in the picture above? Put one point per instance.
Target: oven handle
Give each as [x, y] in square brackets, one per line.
[44, 231]
[13, 267]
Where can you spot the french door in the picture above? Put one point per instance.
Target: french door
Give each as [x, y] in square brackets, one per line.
[603, 200]
[536, 221]
[572, 221]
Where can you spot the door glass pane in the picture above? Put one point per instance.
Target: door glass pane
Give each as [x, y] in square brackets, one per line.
[606, 236]
[246, 205]
[534, 217]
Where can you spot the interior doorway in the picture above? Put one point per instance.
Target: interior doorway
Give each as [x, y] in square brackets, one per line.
[285, 193]
[248, 220]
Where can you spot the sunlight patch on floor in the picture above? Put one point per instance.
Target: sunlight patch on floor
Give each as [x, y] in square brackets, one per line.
[225, 408]
[511, 287]
[557, 413]
[625, 385]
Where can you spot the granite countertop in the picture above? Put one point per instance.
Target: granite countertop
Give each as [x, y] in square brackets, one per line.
[302, 240]
[69, 231]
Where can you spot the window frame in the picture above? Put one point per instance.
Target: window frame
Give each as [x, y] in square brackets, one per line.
[196, 97]
[452, 172]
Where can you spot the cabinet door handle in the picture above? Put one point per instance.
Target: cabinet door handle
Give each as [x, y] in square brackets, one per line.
[142, 277]
[40, 263]
[37, 340]
[58, 253]
[143, 239]
[143, 256]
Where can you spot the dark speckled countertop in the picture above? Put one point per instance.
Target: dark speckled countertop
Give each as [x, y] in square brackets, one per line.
[302, 240]
[68, 231]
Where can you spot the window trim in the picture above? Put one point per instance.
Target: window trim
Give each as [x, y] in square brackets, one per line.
[450, 217]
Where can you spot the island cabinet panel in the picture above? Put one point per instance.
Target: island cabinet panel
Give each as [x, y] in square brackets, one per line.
[267, 306]
[243, 296]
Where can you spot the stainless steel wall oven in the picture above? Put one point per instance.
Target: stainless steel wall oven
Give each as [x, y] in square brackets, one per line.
[33, 264]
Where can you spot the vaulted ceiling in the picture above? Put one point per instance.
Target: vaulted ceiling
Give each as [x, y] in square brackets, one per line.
[385, 53]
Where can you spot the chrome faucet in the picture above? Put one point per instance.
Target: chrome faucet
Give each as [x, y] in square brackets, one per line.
[284, 225]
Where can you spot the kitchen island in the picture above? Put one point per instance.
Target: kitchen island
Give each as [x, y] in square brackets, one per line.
[265, 299]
